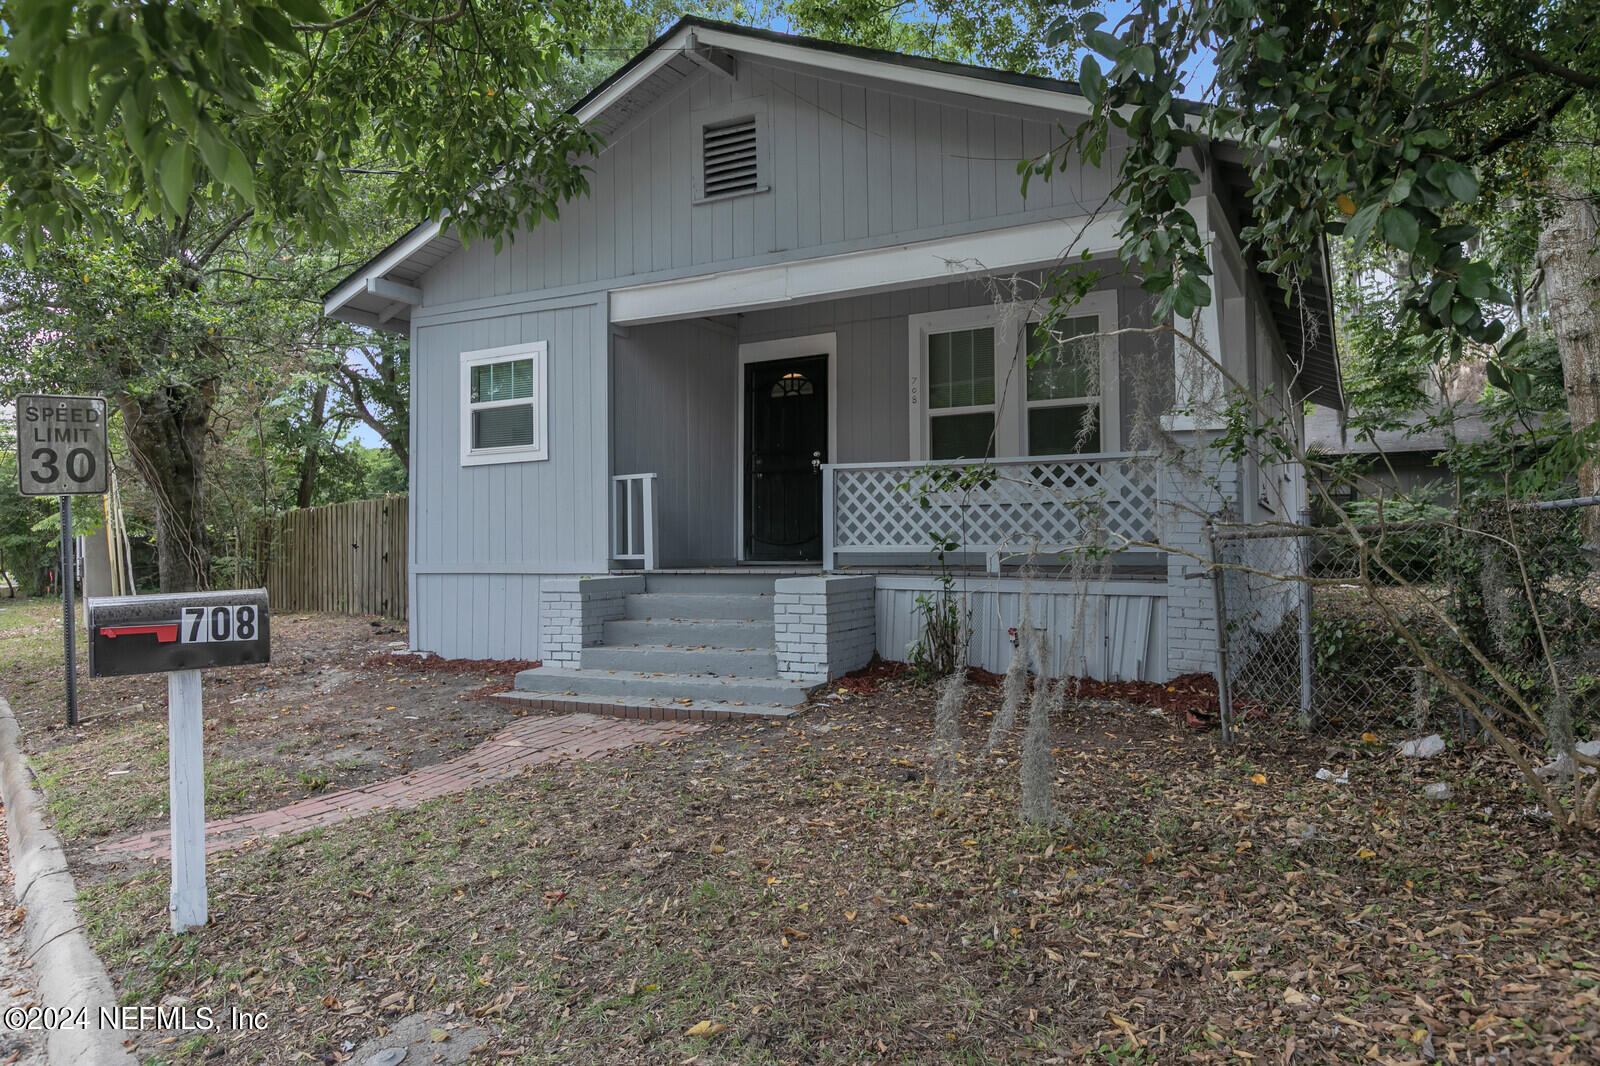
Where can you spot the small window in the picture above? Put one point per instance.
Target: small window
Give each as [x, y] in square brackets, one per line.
[961, 407]
[503, 405]
[1064, 388]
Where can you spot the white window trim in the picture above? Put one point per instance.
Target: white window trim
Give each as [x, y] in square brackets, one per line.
[538, 451]
[1010, 369]
[1102, 304]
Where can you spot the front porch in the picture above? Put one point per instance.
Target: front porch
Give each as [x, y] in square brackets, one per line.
[796, 448]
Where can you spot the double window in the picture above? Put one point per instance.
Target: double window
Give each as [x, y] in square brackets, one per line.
[504, 404]
[990, 381]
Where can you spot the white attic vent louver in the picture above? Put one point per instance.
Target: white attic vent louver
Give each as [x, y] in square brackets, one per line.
[729, 158]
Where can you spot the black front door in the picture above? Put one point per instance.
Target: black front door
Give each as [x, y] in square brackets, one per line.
[785, 445]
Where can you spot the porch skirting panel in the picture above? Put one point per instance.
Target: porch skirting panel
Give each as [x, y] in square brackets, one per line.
[1111, 631]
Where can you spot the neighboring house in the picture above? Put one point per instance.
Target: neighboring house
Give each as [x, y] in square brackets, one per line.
[777, 304]
[1403, 461]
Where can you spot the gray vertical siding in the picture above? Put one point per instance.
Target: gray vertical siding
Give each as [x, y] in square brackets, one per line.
[853, 164]
[672, 407]
[479, 533]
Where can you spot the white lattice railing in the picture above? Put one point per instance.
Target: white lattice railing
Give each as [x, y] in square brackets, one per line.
[1044, 504]
[633, 519]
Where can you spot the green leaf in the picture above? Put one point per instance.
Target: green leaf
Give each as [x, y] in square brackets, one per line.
[1143, 59]
[179, 107]
[213, 149]
[1400, 228]
[239, 175]
[1462, 185]
[1269, 48]
[1361, 224]
[1091, 81]
[1104, 43]
[176, 174]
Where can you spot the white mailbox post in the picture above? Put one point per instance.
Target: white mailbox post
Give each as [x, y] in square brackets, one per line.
[179, 635]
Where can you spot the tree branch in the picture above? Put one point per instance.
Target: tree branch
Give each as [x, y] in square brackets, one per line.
[1550, 66]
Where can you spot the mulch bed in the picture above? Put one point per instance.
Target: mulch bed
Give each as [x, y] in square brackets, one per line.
[1193, 697]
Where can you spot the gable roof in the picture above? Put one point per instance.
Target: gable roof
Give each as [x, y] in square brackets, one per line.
[379, 293]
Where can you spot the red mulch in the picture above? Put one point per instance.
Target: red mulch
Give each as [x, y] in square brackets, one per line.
[435, 664]
[1192, 695]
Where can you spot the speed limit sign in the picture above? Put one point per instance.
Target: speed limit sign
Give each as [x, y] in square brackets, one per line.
[61, 445]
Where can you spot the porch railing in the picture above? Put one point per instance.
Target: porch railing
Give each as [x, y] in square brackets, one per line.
[1038, 504]
[633, 519]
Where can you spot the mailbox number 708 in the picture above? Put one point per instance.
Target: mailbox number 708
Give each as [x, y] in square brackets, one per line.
[205, 625]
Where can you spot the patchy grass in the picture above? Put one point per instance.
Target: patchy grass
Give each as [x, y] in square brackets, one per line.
[334, 709]
[31, 656]
[807, 892]
[118, 780]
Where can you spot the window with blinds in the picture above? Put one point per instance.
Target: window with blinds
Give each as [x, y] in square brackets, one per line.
[503, 404]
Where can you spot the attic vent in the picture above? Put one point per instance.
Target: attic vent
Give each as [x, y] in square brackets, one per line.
[729, 157]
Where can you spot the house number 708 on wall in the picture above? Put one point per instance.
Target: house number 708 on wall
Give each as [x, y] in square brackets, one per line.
[224, 622]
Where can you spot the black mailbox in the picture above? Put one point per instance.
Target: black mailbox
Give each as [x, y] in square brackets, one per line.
[182, 631]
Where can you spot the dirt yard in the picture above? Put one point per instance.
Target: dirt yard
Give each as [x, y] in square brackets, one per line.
[805, 892]
[340, 705]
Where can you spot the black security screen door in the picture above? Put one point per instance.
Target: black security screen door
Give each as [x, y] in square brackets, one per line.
[785, 445]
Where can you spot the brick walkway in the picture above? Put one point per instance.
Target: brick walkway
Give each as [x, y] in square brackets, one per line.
[529, 742]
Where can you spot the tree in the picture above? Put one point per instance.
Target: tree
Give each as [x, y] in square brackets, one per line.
[165, 320]
[269, 108]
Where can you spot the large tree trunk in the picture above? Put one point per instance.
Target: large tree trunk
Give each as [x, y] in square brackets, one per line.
[1569, 253]
[167, 438]
[312, 459]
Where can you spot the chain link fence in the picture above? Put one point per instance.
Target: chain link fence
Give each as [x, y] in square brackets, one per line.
[1316, 624]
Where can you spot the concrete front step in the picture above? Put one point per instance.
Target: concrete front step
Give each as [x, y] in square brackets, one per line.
[722, 606]
[630, 685]
[680, 710]
[745, 662]
[690, 633]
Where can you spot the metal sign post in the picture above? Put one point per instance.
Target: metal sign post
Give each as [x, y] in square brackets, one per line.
[69, 626]
[61, 451]
[180, 635]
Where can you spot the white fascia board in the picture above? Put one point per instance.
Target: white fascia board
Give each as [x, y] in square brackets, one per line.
[940, 80]
[402, 251]
[873, 270]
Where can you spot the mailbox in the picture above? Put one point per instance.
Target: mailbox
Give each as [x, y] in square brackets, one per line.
[182, 631]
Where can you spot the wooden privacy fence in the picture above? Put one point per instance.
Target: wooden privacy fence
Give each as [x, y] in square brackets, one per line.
[348, 558]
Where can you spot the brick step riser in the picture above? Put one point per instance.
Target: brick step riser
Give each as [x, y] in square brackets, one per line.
[690, 634]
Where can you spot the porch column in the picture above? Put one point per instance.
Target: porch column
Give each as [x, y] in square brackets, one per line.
[573, 612]
[1190, 492]
[824, 627]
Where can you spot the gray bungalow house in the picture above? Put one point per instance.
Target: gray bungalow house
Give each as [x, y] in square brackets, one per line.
[663, 443]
